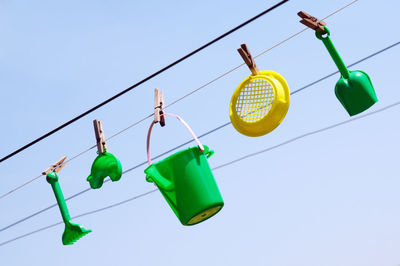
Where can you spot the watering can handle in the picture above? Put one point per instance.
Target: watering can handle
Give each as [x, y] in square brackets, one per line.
[183, 122]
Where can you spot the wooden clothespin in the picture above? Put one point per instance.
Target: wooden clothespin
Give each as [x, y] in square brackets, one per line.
[56, 167]
[100, 139]
[159, 107]
[312, 22]
[248, 59]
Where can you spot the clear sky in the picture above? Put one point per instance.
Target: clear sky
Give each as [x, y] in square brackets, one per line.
[328, 199]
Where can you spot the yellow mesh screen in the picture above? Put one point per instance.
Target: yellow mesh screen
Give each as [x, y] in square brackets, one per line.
[255, 100]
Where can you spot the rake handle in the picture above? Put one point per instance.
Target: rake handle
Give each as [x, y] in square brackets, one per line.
[52, 179]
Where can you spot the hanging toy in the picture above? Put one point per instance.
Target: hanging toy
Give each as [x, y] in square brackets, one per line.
[72, 232]
[354, 89]
[105, 163]
[186, 181]
[260, 102]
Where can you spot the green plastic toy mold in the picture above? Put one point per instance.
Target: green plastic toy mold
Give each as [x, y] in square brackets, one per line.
[104, 165]
[72, 232]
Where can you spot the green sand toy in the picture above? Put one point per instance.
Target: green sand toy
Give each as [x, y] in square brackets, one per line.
[186, 182]
[72, 232]
[354, 89]
[105, 163]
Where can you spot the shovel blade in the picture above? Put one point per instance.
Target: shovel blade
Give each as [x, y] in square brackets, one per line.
[73, 232]
[356, 93]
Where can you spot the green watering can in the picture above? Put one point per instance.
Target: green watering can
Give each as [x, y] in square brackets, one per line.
[72, 232]
[186, 181]
[354, 89]
[104, 165]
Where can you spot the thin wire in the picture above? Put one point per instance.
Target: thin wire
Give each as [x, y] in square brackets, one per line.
[258, 55]
[187, 142]
[80, 215]
[20, 186]
[142, 81]
[205, 85]
[116, 204]
[134, 124]
[55, 204]
[190, 93]
[353, 64]
[30, 233]
[177, 147]
[217, 167]
[80, 154]
[183, 144]
[340, 9]
[74, 157]
[308, 134]
[94, 146]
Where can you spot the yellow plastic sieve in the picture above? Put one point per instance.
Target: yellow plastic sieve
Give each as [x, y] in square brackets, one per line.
[260, 102]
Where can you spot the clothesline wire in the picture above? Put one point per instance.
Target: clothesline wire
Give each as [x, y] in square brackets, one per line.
[214, 168]
[142, 81]
[308, 134]
[183, 97]
[189, 141]
[258, 55]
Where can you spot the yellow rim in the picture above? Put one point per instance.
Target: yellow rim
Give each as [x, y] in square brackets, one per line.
[204, 215]
[259, 103]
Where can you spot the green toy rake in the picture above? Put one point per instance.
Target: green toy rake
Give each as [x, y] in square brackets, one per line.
[72, 232]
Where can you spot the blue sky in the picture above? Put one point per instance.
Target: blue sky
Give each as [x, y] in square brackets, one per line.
[328, 199]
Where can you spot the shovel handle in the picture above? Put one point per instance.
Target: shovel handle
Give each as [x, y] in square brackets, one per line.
[333, 52]
[183, 122]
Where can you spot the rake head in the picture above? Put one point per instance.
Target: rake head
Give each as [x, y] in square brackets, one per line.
[73, 232]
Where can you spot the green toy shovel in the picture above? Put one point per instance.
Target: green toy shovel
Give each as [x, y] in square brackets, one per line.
[105, 163]
[72, 232]
[354, 88]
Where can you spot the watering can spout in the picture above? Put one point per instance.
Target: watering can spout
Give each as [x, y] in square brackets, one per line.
[186, 182]
[154, 175]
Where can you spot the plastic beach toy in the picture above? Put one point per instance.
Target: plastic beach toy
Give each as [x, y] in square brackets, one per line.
[72, 232]
[260, 102]
[105, 163]
[186, 181]
[354, 89]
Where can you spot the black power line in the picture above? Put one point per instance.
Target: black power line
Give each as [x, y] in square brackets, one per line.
[141, 82]
[200, 136]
